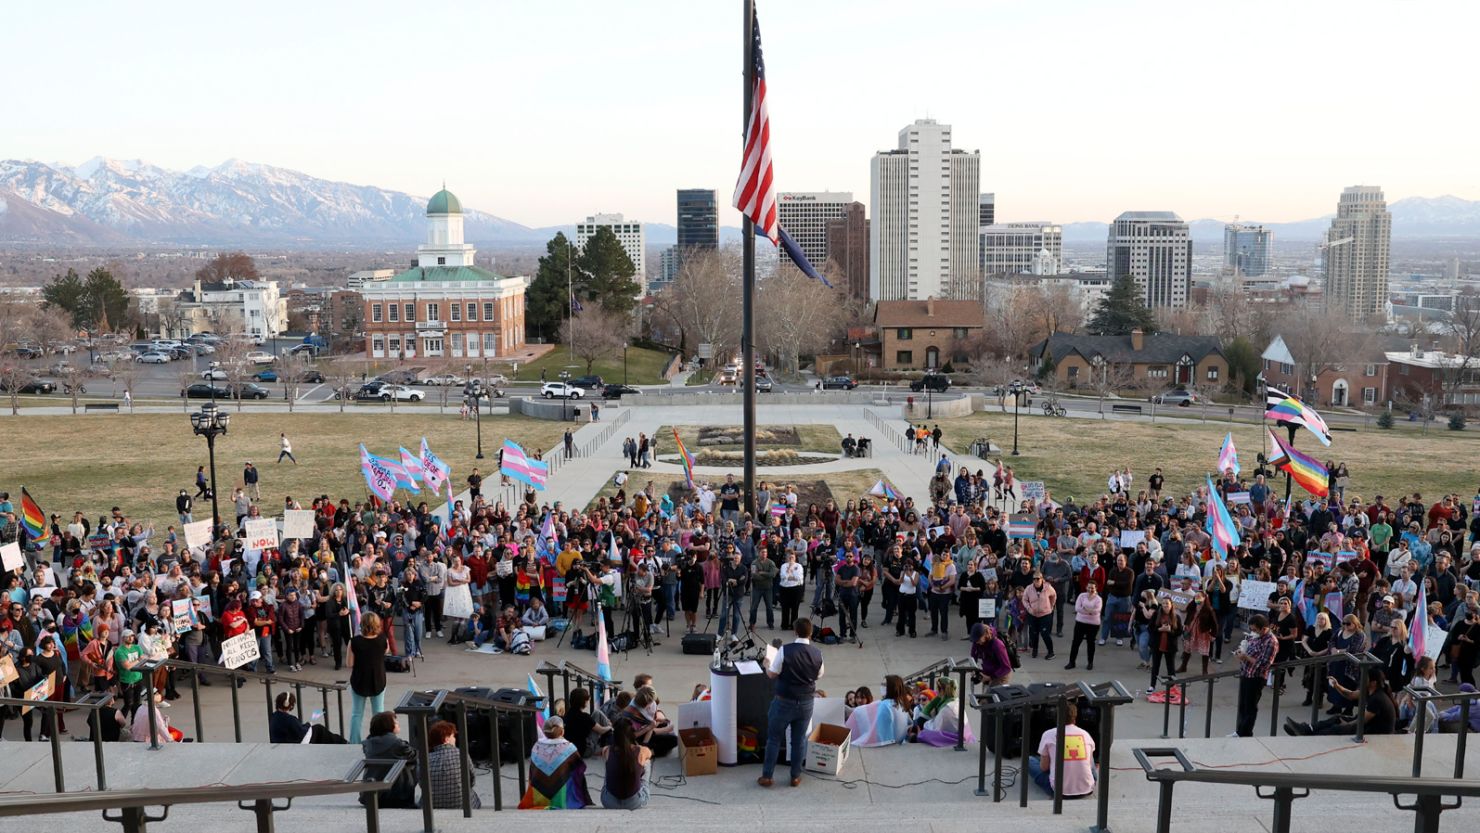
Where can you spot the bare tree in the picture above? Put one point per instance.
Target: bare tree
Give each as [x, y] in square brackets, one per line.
[593, 334]
[1462, 334]
[72, 379]
[1322, 340]
[341, 374]
[701, 301]
[126, 376]
[231, 358]
[187, 378]
[796, 316]
[15, 328]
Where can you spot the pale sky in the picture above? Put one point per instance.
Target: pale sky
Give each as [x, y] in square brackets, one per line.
[543, 112]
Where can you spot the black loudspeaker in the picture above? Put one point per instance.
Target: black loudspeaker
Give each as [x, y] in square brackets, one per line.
[478, 739]
[698, 643]
[1012, 721]
[753, 695]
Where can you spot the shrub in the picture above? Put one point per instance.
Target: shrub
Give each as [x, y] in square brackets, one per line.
[1457, 421]
[1385, 420]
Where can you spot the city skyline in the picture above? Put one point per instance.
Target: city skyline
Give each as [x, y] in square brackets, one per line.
[330, 106]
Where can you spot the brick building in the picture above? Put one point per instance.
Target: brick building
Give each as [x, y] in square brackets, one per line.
[1360, 383]
[1150, 360]
[924, 335]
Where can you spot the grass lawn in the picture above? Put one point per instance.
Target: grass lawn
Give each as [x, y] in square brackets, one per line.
[1074, 456]
[810, 438]
[702, 376]
[140, 462]
[644, 366]
[843, 486]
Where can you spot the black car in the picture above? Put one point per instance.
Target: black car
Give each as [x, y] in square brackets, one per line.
[201, 390]
[839, 383]
[588, 382]
[368, 391]
[615, 391]
[30, 386]
[251, 391]
[937, 382]
[29, 352]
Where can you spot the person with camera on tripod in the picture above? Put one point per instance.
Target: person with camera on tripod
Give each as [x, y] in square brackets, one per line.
[640, 597]
[734, 584]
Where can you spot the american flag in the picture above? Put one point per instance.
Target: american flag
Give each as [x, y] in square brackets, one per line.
[755, 191]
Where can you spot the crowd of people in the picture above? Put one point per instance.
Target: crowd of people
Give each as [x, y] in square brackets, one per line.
[1133, 566]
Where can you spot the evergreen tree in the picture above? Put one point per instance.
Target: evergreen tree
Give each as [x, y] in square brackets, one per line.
[546, 301]
[1122, 310]
[65, 292]
[104, 300]
[607, 273]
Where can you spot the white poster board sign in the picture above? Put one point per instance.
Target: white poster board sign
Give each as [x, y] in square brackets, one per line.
[1254, 595]
[239, 650]
[298, 523]
[183, 614]
[1433, 641]
[1131, 537]
[261, 534]
[10, 557]
[197, 534]
[1033, 490]
[986, 609]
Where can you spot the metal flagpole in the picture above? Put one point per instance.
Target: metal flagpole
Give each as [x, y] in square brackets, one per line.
[747, 281]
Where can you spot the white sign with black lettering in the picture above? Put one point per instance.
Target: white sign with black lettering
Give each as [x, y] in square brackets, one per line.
[261, 534]
[239, 650]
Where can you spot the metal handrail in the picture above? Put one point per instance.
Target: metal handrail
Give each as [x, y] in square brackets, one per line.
[1428, 794]
[601, 689]
[929, 673]
[1106, 696]
[234, 674]
[257, 797]
[93, 702]
[1422, 698]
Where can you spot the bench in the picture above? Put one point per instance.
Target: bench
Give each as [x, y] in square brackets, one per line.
[92, 407]
[1125, 409]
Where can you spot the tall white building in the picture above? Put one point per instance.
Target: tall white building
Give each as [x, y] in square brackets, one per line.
[252, 307]
[1021, 248]
[1155, 249]
[804, 215]
[630, 235]
[926, 214]
[1357, 249]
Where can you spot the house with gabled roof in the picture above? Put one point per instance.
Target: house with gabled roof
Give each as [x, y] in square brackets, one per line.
[1147, 359]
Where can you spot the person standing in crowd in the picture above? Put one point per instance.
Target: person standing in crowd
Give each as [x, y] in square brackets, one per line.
[942, 589]
[1088, 607]
[1256, 658]
[793, 586]
[367, 672]
[1039, 601]
[796, 668]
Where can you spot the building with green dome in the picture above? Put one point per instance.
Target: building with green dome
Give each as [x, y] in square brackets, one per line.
[445, 306]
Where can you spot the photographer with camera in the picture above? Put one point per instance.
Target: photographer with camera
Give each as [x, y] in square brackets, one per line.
[640, 597]
[734, 585]
[604, 582]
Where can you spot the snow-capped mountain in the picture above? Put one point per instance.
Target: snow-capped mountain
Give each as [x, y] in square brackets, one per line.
[235, 202]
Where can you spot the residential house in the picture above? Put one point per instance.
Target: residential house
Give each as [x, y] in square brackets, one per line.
[1149, 360]
[928, 334]
[1359, 383]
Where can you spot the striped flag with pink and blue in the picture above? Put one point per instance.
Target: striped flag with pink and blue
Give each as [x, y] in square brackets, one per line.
[1220, 524]
[522, 467]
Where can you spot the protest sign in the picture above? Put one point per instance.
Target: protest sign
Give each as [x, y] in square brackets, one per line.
[1180, 598]
[1433, 641]
[1033, 490]
[1336, 604]
[239, 650]
[1254, 595]
[40, 691]
[8, 674]
[197, 534]
[1238, 498]
[298, 523]
[986, 609]
[10, 557]
[183, 613]
[1129, 538]
[261, 534]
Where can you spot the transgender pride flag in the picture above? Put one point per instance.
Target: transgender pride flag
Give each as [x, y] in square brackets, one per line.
[1417, 635]
[523, 468]
[1220, 524]
[1228, 455]
[603, 653]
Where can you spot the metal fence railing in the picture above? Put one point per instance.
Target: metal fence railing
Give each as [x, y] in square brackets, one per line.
[51, 709]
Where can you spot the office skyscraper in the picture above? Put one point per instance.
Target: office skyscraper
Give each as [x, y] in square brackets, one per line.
[805, 217]
[698, 219]
[630, 235]
[1021, 248]
[1155, 249]
[1357, 249]
[926, 214]
[986, 207]
[1246, 249]
[847, 249]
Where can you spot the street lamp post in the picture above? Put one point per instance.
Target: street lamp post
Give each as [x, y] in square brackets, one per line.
[624, 363]
[475, 390]
[565, 403]
[1016, 389]
[211, 422]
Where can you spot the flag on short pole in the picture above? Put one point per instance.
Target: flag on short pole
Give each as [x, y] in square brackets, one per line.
[32, 518]
[1220, 524]
[378, 477]
[1286, 407]
[1418, 634]
[434, 471]
[603, 655]
[686, 457]
[521, 467]
[1228, 455]
[412, 464]
[1306, 470]
[542, 714]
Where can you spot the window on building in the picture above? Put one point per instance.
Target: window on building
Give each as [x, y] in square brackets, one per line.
[490, 344]
[456, 310]
[377, 346]
[395, 313]
[904, 358]
[434, 312]
[1073, 372]
[1402, 370]
[472, 312]
[1213, 374]
[395, 344]
[411, 312]
[441, 261]
[958, 333]
[434, 346]
[1369, 370]
[487, 310]
[1287, 369]
[375, 313]
[904, 334]
[1369, 396]
[1156, 371]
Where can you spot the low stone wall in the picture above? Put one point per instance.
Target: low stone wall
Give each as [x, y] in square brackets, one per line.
[578, 410]
[939, 409]
[826, 397]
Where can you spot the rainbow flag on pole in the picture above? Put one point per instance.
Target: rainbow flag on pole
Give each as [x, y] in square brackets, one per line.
[32, 518]
[1287, 408]
[1220, 524]
[688, 459]
[1306, 470]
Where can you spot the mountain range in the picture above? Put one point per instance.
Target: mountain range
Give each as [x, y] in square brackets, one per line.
[108, 202]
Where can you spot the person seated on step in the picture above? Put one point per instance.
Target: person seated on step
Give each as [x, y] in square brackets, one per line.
[850, 445]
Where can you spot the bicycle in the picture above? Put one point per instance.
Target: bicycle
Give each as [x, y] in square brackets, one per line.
[1051, 407]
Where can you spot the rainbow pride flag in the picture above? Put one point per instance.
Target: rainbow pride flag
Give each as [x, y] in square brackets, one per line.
[1306, 470]
[1288, 408]
[688, 459]
[32, 517]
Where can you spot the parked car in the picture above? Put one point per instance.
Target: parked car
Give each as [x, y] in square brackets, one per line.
[311, 376]
[588, 382]
[30, 386]
[763, 384]
[397, 377]
[265, 376]
[248, 390]
[154, 358]
[98, 369]
[615, 391]
[27, 351]
[560, 390]
[201, 390]
[497, 380]
[444, 380]
[839, 383]
[215, 374]
[299, 349]
[385, 392]
[60, 369]
[203, 349]
[1181, 397]
[259, 357]
[937, 382]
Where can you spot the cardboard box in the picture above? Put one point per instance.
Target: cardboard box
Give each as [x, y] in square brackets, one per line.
[698, 751]
[827, 748]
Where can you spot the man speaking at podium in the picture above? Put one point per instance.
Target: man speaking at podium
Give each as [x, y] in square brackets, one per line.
[795, 668]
